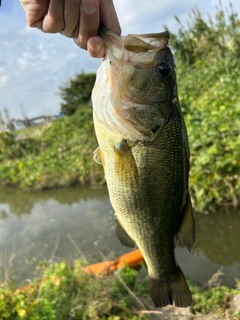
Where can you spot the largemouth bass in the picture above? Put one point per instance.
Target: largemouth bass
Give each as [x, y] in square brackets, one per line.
[143, 147]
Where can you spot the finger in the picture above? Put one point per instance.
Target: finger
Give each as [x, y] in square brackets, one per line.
[71, 18]
[109, 16]
[35, 10]
[53, 21]
[95, 47]
[89, 22]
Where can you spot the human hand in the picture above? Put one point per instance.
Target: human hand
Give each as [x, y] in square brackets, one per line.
[77, 19]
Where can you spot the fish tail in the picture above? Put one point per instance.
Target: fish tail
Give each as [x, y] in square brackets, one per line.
[173, 291]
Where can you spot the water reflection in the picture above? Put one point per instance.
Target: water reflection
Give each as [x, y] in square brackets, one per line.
[218, 236]
[21, 202]
[74, 222]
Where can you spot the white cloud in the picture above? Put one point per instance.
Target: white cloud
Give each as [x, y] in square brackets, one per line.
[3, 79]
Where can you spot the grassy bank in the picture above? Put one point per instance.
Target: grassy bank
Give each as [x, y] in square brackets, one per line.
[68, 293]
[53, 155]
[60, 154]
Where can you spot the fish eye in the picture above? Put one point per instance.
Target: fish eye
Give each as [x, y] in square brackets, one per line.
[164, 69]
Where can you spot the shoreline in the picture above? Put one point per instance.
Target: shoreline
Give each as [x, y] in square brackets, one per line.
[123, 295]
[60, 154]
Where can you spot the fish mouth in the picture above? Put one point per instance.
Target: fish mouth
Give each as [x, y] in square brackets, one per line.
[137, 48]
[111, 42]
[135, 42]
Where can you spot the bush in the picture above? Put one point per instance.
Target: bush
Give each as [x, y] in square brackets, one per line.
[66, 292]
[207, 55]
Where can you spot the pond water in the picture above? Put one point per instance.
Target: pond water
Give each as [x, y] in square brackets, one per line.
[71, 223]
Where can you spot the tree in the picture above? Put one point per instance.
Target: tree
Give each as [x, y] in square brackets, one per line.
[77, 92]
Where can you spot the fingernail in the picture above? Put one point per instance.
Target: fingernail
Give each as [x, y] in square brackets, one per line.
[37, 24]
[88, 6]
[96, 47]
[34, 25]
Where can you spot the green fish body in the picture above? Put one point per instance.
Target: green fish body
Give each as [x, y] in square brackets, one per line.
[144, 150]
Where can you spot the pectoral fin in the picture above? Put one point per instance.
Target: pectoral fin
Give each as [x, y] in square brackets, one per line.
[97, 156]
[186, 232]
[125, 164]
[123, 237]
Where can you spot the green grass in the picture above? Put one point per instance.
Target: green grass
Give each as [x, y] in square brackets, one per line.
[53, 155]
[66, 292]
[69, 293]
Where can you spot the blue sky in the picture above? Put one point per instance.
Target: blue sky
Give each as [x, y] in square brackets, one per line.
[33, 65]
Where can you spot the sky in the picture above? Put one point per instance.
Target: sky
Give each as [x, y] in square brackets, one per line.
[33, 65]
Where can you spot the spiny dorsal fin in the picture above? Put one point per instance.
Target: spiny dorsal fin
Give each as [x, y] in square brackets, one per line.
[123, 237]
[186, 232]
[97, 156]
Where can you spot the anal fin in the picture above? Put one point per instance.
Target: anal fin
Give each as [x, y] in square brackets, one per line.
[123, 237]
[186, 232]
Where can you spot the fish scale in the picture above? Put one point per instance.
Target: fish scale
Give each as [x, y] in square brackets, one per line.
[158, 200]
[143, 147]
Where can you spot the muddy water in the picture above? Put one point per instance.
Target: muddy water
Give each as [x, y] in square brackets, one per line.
[78, 222]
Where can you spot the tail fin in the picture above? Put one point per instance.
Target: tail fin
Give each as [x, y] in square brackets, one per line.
[164, 292]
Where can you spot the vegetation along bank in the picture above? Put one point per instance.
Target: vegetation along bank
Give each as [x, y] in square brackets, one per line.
[66, 292]
[208, 62]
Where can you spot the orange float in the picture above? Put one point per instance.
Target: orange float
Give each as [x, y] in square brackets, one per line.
[131, 259]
